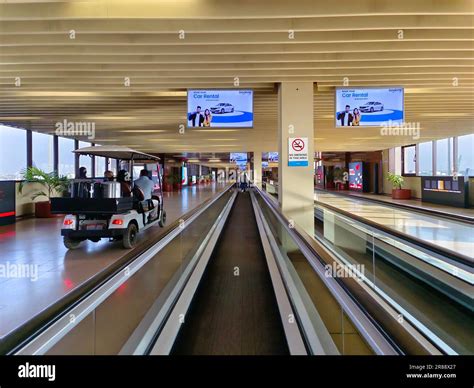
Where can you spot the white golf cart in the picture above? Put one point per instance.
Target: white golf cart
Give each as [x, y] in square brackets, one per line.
[99, 208]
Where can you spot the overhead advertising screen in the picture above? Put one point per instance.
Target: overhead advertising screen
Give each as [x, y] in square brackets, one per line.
[220, 108]
[239, 158]
[369, 106]
[273, 157]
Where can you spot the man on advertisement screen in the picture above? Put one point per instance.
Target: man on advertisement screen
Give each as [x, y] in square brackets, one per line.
[196, 118]
[346, 117]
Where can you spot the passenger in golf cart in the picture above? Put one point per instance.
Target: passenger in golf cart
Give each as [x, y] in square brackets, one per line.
[116, 210]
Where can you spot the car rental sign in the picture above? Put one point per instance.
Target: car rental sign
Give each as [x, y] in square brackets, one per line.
[298, 151]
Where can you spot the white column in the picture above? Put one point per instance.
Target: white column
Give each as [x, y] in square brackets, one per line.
[257, 167]
[296, 183]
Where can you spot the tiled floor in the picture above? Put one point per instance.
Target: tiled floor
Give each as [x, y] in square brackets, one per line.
[451, 235]
[415, 203]
[38, 243]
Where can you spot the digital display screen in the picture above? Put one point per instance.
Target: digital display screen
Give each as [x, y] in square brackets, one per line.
[369, 107]
[272, 157]
[355, 176]
[240, 159]
[220, 108]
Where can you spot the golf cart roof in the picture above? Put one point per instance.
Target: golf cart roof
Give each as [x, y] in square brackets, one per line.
[116, 152]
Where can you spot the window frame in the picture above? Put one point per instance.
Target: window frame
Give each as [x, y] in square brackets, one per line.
[456, 155]
[403, 160]
[28, 139]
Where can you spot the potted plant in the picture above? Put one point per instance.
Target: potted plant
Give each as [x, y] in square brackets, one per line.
[52, 184]
[177, 185]
[330, 178]
[168, 183]
[397, 191]
[339, 181]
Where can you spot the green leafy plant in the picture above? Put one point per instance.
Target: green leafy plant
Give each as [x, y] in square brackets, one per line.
[52, 182]
[330, 174]
[396, 180]
[170, 179]
[339, 174]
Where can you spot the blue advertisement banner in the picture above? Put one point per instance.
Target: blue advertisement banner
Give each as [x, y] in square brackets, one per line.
[369, 106]
[220, 108]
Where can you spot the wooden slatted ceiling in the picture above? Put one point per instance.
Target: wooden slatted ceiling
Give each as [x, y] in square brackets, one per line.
[82, 78]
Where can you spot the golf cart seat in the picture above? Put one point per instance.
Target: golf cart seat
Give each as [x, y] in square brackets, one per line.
[144, 206]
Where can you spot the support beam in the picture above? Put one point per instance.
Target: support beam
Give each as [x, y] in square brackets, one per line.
[296, 183]
[257, 167]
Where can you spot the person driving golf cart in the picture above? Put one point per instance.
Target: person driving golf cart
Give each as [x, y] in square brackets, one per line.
[145, 183]
[110, 209]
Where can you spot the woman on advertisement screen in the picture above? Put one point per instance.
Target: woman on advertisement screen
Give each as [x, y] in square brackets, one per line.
[207, 118]
[356, 117]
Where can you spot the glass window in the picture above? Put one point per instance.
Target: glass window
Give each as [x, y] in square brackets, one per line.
[425, 158]
[43, 151]
[86, 160]
[66, 157]
[12, 152]
[442, 157]
[409, 163]
[465, 158]
[99, 166]
[112, 166]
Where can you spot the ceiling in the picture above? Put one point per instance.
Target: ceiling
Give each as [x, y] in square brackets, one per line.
[83, 78]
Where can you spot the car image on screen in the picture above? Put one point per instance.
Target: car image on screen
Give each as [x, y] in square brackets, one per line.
[371, 106]
[222, 107]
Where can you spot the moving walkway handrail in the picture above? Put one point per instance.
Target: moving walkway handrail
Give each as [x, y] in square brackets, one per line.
[309, 331]
[376, 321]
[160, 327]
[27, 338]
[452, 255]
[451, 267]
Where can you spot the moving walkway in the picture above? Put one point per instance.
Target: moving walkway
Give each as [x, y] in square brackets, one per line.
[234, 276]
[428, 286]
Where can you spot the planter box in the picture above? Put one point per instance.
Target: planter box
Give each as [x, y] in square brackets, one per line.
[43, 209]
[401, 193]
[167, 187]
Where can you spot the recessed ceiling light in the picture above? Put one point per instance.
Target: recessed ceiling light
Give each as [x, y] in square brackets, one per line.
[143, 130]
[222, 139]
[110, 118]
[215, 130]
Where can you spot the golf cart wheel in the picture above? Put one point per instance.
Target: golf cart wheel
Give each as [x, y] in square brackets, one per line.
[71, 243]
[162, 221]
[130, 236]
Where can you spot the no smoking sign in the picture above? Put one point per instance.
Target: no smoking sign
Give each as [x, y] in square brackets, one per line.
[298, 151]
